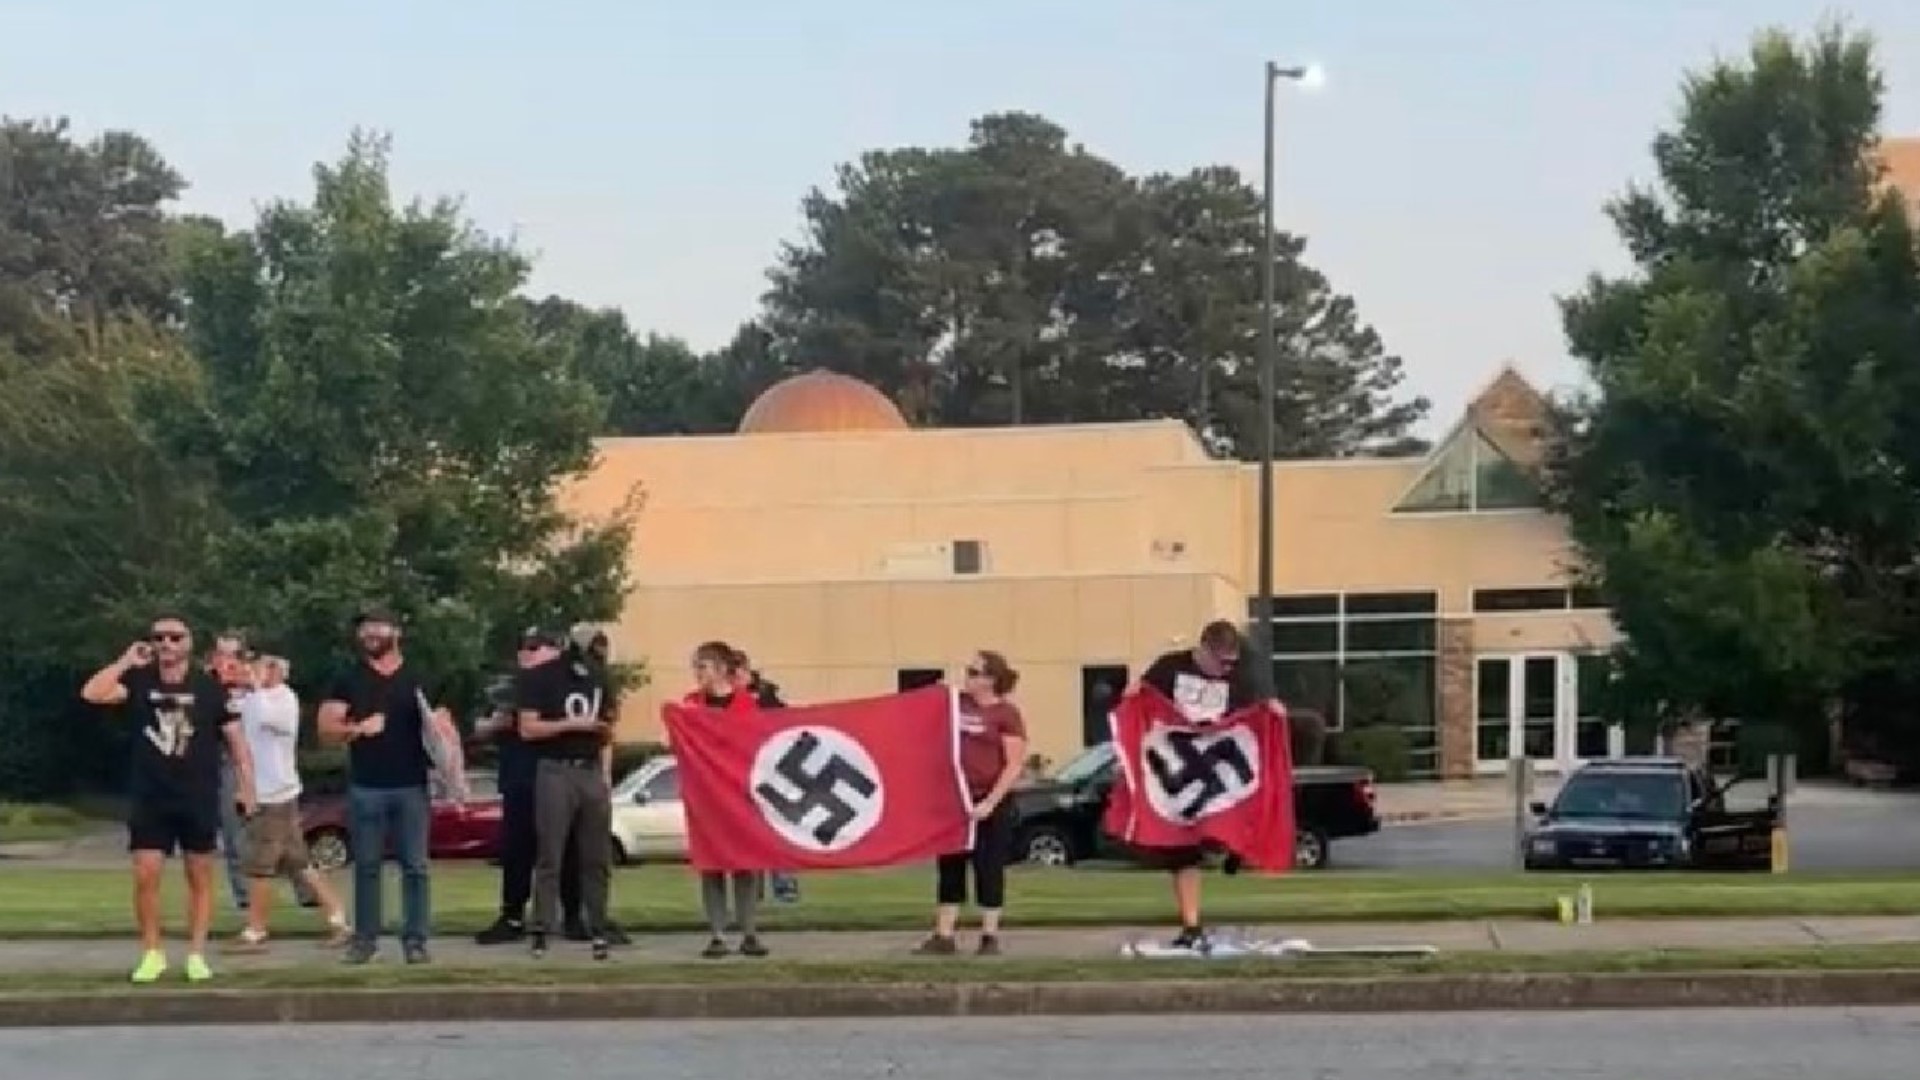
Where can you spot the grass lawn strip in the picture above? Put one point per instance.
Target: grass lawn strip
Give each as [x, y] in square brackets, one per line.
[38, 902]
[971, 971]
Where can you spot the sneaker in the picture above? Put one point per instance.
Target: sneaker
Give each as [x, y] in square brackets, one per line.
[504, 931]
[538, 944]
[339, 932]
[1193, 939]
[416, 953]
[615, 935]
[601, 950]
[989, 945]
[153, 964]
[359, 951]
[577, 931]
[936, 945]
[751, 946]
[249, 941]
[197, 969]
[716, 950]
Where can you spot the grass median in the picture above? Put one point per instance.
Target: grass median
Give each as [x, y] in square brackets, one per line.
[37, 902]
[1000, 971]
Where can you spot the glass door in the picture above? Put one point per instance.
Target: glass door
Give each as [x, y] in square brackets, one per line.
[1524, 704]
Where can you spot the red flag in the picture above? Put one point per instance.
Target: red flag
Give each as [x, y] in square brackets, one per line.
[1183, 784]
[840, 786]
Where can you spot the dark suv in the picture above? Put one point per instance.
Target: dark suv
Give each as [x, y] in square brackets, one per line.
[1648, 814]
[1058, 819]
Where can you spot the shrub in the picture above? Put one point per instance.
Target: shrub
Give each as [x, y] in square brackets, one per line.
[1384, 750]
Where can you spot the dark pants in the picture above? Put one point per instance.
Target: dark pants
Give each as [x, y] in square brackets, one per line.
[396, 817]
[992, 847]
[520, 847]
[573, 808]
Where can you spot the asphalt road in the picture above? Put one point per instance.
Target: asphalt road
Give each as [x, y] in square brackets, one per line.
[1685, 1045]
[1876, 835]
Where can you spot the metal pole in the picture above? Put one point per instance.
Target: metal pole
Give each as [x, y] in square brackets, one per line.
[1264, 606]
[1520, 771]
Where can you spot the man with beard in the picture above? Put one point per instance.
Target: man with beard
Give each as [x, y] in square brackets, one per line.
[562, 704]
[174, 787]
[381, 708]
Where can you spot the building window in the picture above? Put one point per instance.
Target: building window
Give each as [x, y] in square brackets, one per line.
[969, 557]
[914, 678]
[1362, 659]
[1543, 598]
[1471, 474]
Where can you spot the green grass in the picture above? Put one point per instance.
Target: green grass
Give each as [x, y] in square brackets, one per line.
[963, 970]
[35, 822]
[44, 902]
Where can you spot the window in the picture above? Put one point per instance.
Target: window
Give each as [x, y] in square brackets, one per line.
[1310, 684]
[1362, 658]
[1469, 474]
[969, 557]
[664, 786]
[1520, 600]
[914, 678]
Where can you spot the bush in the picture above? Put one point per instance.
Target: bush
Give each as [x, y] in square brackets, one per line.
[1307, 732]
[1384, 750]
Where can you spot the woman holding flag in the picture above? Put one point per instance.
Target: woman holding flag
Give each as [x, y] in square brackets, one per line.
[717, 685]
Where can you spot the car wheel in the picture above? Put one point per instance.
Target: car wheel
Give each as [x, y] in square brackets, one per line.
[1045, 845]
[1311, 850]
[327, 849]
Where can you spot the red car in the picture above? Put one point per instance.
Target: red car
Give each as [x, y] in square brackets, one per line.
[472, 832]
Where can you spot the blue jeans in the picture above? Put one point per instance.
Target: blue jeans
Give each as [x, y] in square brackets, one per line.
[400, 816]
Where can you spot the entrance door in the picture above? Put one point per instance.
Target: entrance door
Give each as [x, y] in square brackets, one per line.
[1525, 704]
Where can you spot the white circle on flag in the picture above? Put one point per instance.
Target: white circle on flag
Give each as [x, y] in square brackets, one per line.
[817, 787]
[1192, 775]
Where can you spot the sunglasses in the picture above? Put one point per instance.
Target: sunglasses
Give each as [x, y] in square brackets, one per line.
[170, 637]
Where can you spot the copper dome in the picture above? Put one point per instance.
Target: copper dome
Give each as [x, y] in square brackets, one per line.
[821, 400]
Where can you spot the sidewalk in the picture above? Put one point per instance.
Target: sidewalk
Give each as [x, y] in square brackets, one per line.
[1086, 944]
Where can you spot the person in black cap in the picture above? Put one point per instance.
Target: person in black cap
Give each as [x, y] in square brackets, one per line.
[564, 706]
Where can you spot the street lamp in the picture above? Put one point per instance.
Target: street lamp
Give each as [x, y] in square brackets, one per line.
[1309, 77]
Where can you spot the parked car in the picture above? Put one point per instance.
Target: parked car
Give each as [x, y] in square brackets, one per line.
[649, 821]
[1648, 814]
[455, 832]
[1058, 819]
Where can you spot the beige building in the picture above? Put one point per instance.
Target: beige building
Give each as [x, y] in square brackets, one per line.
[851, 555]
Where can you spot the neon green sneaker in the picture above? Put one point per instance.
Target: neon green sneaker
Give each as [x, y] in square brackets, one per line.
[197, 969]
[153, 964]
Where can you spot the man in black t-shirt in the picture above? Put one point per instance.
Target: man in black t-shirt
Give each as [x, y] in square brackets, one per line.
[563, 704]
[173, 788]
[1206, 683]
[381, 708]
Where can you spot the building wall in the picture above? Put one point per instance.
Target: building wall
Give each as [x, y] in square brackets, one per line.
[820, 554]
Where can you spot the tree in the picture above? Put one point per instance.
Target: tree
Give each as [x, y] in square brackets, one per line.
[1743, 477]
[384, 420]
[1021, 279]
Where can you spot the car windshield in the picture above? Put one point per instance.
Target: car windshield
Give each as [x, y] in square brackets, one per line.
[1088, 765]
[1640, 795]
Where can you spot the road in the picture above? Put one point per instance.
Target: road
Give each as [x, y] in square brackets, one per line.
[1686, 1045]
[1881, 834]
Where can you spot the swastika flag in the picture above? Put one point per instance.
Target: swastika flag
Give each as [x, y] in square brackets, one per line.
[1227, 783]
[841, 786]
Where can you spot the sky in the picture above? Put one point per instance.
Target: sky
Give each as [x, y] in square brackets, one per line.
[652, 155]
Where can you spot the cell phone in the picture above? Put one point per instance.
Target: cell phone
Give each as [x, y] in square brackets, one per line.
[142, 651]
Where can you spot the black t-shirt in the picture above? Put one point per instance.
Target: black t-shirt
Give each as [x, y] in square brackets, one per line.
[180, 730]
[397, 757]
[1202, 698]
[565, 688]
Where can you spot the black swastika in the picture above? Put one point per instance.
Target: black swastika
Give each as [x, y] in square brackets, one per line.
[816, 790]
[1198, 769]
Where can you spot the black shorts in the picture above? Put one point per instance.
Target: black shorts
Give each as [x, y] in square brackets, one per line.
[1172, 858]
[163, 825]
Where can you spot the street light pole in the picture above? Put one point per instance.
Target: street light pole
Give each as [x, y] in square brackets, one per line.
[1310, 78]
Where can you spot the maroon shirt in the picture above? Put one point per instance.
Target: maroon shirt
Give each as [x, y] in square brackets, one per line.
[983, 751]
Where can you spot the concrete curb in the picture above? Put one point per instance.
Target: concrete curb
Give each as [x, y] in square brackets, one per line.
[739, 1002]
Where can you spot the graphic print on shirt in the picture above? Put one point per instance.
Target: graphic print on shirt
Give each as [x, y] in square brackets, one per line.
[171, 731]
[578, 706]
[1201, 700]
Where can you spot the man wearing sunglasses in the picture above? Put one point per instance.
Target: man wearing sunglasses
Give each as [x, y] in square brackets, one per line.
[180, 711]
[231, 663]
[1206, 683]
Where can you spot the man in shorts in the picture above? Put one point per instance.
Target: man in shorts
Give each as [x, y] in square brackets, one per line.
[274, 844]
[1206, 683]
[181, 719]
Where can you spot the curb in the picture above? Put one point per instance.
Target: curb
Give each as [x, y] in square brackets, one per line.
[847, 1000]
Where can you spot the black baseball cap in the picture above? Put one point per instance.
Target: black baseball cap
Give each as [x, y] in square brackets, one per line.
[534, 636]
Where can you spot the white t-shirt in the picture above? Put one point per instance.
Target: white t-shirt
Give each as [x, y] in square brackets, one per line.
[271, 720]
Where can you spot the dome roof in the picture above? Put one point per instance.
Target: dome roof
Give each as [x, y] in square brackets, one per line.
[821, 400]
